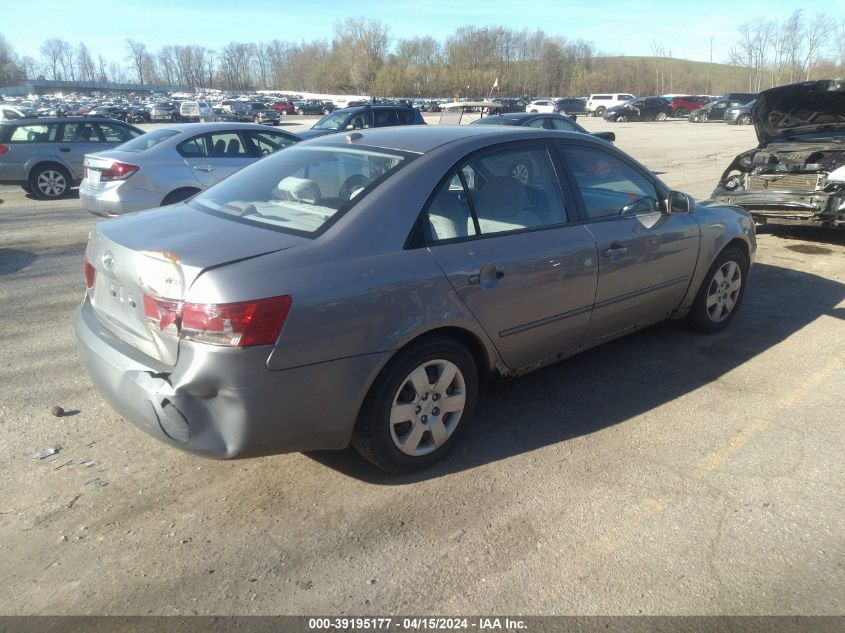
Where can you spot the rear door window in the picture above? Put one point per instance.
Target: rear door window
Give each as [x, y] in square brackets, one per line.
[264, 143]
[506, 190]
[79, 133]
[385, 118]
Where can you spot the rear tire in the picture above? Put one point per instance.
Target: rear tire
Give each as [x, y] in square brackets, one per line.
[744, 119]
[720, 295]
[49, 182]
[600, 112]
[661, 116]
[401, 427]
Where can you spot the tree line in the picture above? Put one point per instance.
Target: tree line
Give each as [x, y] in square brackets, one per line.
[363, 58]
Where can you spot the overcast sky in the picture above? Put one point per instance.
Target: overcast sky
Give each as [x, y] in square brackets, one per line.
[619, 28]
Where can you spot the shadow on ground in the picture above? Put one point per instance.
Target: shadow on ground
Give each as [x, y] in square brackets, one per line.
[613, 383]
[13, 260]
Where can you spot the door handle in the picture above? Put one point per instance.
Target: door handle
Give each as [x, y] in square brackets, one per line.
[615, 249]
[205, 168]
[486, 277]
[64, 149]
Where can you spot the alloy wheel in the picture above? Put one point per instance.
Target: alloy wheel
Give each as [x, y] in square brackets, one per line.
[723, 291]
[51, 183]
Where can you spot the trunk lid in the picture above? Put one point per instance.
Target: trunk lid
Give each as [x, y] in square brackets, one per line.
[161, 253]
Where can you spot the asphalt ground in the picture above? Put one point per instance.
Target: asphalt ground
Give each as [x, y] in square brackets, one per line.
[664, 473]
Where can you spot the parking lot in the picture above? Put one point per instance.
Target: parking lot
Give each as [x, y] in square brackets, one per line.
[665, 473]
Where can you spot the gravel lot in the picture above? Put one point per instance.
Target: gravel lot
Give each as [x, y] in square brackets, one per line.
[665, 473]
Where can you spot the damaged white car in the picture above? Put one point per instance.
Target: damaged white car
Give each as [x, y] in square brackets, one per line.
[797, 173]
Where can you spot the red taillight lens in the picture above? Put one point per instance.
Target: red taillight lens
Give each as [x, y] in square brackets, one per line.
[90, 274]
[118, 171]
[241, 324]
[162, 314]
[3, 149]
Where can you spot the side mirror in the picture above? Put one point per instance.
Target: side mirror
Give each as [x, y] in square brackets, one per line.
[350, 127]
[678, 202]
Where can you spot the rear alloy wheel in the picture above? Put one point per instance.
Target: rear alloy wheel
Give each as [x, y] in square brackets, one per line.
[703, 118]
[49, 182]
[622, 119]
[600, 112]
[661, 116]
[326, 111]
[721, 292]
[744, 119]
[418, 407]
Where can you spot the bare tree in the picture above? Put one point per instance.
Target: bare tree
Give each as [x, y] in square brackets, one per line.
[816, 35]
[136, 52]
[51, 55]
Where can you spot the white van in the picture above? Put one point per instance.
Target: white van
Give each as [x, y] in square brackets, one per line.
[598, 103]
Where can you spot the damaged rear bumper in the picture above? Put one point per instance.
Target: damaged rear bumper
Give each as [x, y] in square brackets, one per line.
[222, 402]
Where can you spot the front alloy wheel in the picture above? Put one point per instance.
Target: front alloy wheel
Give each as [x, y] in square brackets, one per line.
[723, 291]
[720, 295]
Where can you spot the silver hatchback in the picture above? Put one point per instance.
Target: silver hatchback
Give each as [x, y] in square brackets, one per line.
[357, 287]
[171, 164]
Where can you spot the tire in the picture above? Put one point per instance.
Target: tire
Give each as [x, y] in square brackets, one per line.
[744, 119]
[660, 116]
[49, 182]
[535, 111]
[600, 112]
[680, 113]
[299, 111]
[403, 446]
[178, 195]
[326, 111]
[703, 118]
[720, 295]
[283, 113]
[256, 120]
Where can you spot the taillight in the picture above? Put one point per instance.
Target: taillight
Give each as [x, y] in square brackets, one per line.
[3, 149]
[90, 274]
[162, 314]
[242, 324]
[118, 171]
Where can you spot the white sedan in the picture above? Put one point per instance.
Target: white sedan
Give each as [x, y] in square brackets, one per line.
[546, 106]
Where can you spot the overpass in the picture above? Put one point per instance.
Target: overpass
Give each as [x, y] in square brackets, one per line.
[44, 86]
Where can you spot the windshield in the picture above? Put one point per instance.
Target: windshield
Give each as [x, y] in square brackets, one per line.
[301, 190]
[148, 140]
[332, 121]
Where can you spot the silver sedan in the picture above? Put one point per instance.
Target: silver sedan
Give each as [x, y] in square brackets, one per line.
[356, 288]
[171, 164]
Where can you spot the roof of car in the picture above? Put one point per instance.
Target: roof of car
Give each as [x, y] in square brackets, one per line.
[61, 119]
[420, 139]
[221, 125]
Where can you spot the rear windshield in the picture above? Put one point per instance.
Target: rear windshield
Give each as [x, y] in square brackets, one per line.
[302, 190]
[148, 140]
